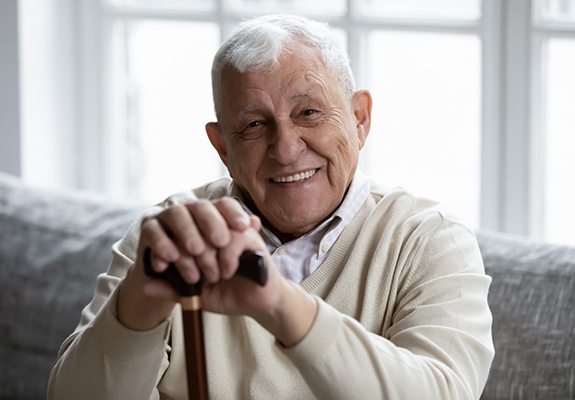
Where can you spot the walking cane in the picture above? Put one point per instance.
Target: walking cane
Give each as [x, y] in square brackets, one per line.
[252, 265]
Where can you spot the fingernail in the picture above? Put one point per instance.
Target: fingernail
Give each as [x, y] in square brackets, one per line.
[243, 219]
[159, 265]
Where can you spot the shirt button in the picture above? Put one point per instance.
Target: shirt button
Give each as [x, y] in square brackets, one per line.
[325, 247]
[281, 250]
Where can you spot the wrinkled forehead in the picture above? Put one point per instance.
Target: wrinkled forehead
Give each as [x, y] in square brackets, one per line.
[295, 74]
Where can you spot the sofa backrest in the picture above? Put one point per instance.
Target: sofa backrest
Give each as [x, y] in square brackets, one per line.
[532, 298]
[52, 247]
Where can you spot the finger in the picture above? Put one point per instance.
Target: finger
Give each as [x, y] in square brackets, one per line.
[208, 265]
[188, 269]
[236, 217]
[255, 222]
[228, 257]
[154, 237]
[181, 227]
[210, 222]
[158, 264]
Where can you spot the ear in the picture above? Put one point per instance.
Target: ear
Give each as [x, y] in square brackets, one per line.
[361, 104]
[217, 140]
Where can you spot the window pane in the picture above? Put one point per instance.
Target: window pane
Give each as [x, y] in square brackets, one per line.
[194, 5]
[560, 145]
[303, 7]
[559, 10]
[425, 132]
[429, 9]
[169, 103]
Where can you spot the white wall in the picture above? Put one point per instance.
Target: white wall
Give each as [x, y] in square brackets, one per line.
[38, 91]
[10, 160]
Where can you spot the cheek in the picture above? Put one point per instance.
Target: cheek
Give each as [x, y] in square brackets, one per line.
[346, 154]
[341, 150]
[245, 160]
[338, 144]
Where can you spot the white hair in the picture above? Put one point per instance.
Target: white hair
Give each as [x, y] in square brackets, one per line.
[258, 43]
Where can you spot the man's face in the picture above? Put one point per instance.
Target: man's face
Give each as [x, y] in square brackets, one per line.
[290, 139]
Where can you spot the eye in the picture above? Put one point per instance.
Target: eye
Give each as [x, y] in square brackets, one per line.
[255, 124]
[252, 130]
[308, 112]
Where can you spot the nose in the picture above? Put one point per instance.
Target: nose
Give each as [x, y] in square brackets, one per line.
[286, 143]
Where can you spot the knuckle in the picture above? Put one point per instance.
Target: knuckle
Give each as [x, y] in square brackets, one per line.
[201, 203]
[173, 211]
[226, 201]
[232, 205]
[146, 220]
[198, 208]
[149, 226]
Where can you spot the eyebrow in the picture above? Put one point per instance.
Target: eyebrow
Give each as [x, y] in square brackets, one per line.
[258, 109]
[301, 96]
[251, 109]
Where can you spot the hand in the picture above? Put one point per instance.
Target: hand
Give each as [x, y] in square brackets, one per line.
[281, 306]
[186, 234]
[207, 238]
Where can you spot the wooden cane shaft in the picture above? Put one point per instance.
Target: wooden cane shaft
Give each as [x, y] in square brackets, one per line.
[252, 265]
[195, 352]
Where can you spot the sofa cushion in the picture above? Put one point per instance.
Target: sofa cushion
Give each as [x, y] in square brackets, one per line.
[532, 298]
[52, 247]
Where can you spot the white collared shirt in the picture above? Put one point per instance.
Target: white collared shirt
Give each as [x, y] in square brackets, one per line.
[299, 258]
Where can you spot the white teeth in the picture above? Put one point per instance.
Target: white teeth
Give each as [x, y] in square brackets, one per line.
[296, 177]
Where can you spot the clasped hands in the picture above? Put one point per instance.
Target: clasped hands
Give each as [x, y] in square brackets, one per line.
[206, 238]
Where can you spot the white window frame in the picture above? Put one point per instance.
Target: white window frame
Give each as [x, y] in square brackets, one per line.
[511, 145]
[541, 32]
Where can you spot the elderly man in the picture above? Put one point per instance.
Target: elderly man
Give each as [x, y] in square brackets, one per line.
[372, 293]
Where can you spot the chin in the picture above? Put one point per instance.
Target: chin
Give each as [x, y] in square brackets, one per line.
[298, 226]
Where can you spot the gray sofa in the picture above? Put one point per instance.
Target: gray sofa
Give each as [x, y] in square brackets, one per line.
[52, 247]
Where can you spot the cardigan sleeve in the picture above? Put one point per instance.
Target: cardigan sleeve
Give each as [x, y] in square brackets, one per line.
[102, 359]
[438, 346]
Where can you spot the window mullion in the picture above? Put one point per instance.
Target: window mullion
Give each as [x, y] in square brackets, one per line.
[492, 142]
[356, 37]
[92, 56]
[517, 201]
[537, 141]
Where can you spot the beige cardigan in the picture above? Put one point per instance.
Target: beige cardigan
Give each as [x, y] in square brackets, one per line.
[402, 314]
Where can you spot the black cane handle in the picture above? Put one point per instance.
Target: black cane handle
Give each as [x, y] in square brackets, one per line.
[252, 266]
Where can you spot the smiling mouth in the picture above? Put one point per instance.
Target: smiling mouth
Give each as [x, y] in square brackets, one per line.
[301, 176]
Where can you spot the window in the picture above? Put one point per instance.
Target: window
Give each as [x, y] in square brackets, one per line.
[473, 100]
[165, 98]
[555, 30]
[422, 9]
[426, 115]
